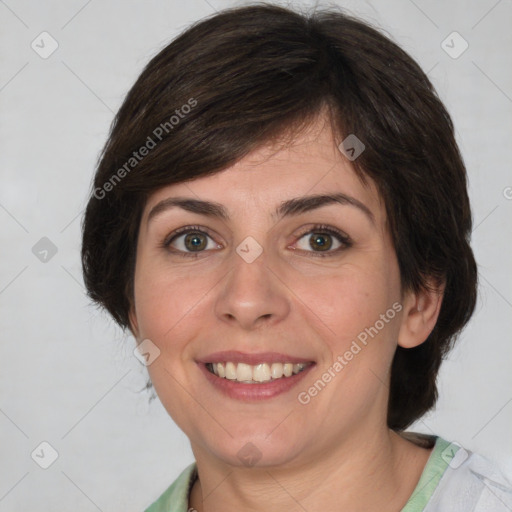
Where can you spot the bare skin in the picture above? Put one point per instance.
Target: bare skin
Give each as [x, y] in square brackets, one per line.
[333, 451]
[390, 478]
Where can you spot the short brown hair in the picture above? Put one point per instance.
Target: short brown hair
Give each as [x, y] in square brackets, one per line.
[248, 74]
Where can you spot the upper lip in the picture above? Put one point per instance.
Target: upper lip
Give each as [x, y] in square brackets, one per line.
[235, 356]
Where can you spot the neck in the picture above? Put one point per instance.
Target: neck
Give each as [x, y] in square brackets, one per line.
[375, 472]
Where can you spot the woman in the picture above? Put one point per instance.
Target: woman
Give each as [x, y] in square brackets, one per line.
[280, 217]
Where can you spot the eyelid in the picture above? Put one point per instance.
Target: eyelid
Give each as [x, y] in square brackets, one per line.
[183, 231]
[320, 228]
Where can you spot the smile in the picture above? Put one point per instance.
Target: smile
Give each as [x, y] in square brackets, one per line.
[255, 374]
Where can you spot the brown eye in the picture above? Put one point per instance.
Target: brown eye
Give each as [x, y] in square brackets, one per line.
[321, 239]
[195, 241]
[189, 241]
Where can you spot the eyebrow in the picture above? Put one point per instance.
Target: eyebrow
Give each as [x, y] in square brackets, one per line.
[291, 207]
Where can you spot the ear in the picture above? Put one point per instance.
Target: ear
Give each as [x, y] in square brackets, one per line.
[421, 311]
[134, 325]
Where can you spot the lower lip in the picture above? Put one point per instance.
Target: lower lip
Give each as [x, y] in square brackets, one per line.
[251, 392]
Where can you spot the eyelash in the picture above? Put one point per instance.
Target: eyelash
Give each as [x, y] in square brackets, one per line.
[319, 229]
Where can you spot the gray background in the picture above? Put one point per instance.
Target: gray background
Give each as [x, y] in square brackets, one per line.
[68, 375]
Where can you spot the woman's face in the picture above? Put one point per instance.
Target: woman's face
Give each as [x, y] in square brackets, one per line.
[268, 286]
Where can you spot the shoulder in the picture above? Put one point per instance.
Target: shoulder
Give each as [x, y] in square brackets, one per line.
[175, 497]
[470, 482]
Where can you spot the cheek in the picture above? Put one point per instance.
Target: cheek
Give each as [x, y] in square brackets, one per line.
[350, 300]
[167, 302]
[356, 314]
[168, 307]
[363, 318]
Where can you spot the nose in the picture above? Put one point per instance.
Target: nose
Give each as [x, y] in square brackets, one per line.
[253, 294]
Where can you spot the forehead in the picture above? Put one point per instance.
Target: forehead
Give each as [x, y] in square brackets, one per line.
[310, 164]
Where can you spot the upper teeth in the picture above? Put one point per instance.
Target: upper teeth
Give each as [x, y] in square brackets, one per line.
[262, 372]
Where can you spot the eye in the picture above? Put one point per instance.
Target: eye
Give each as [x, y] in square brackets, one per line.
[189, 240]
[321, 240]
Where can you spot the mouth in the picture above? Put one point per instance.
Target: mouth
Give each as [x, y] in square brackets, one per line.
[253, 377]
[255, 374]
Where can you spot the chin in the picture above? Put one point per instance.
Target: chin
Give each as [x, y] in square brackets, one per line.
[256, 448]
